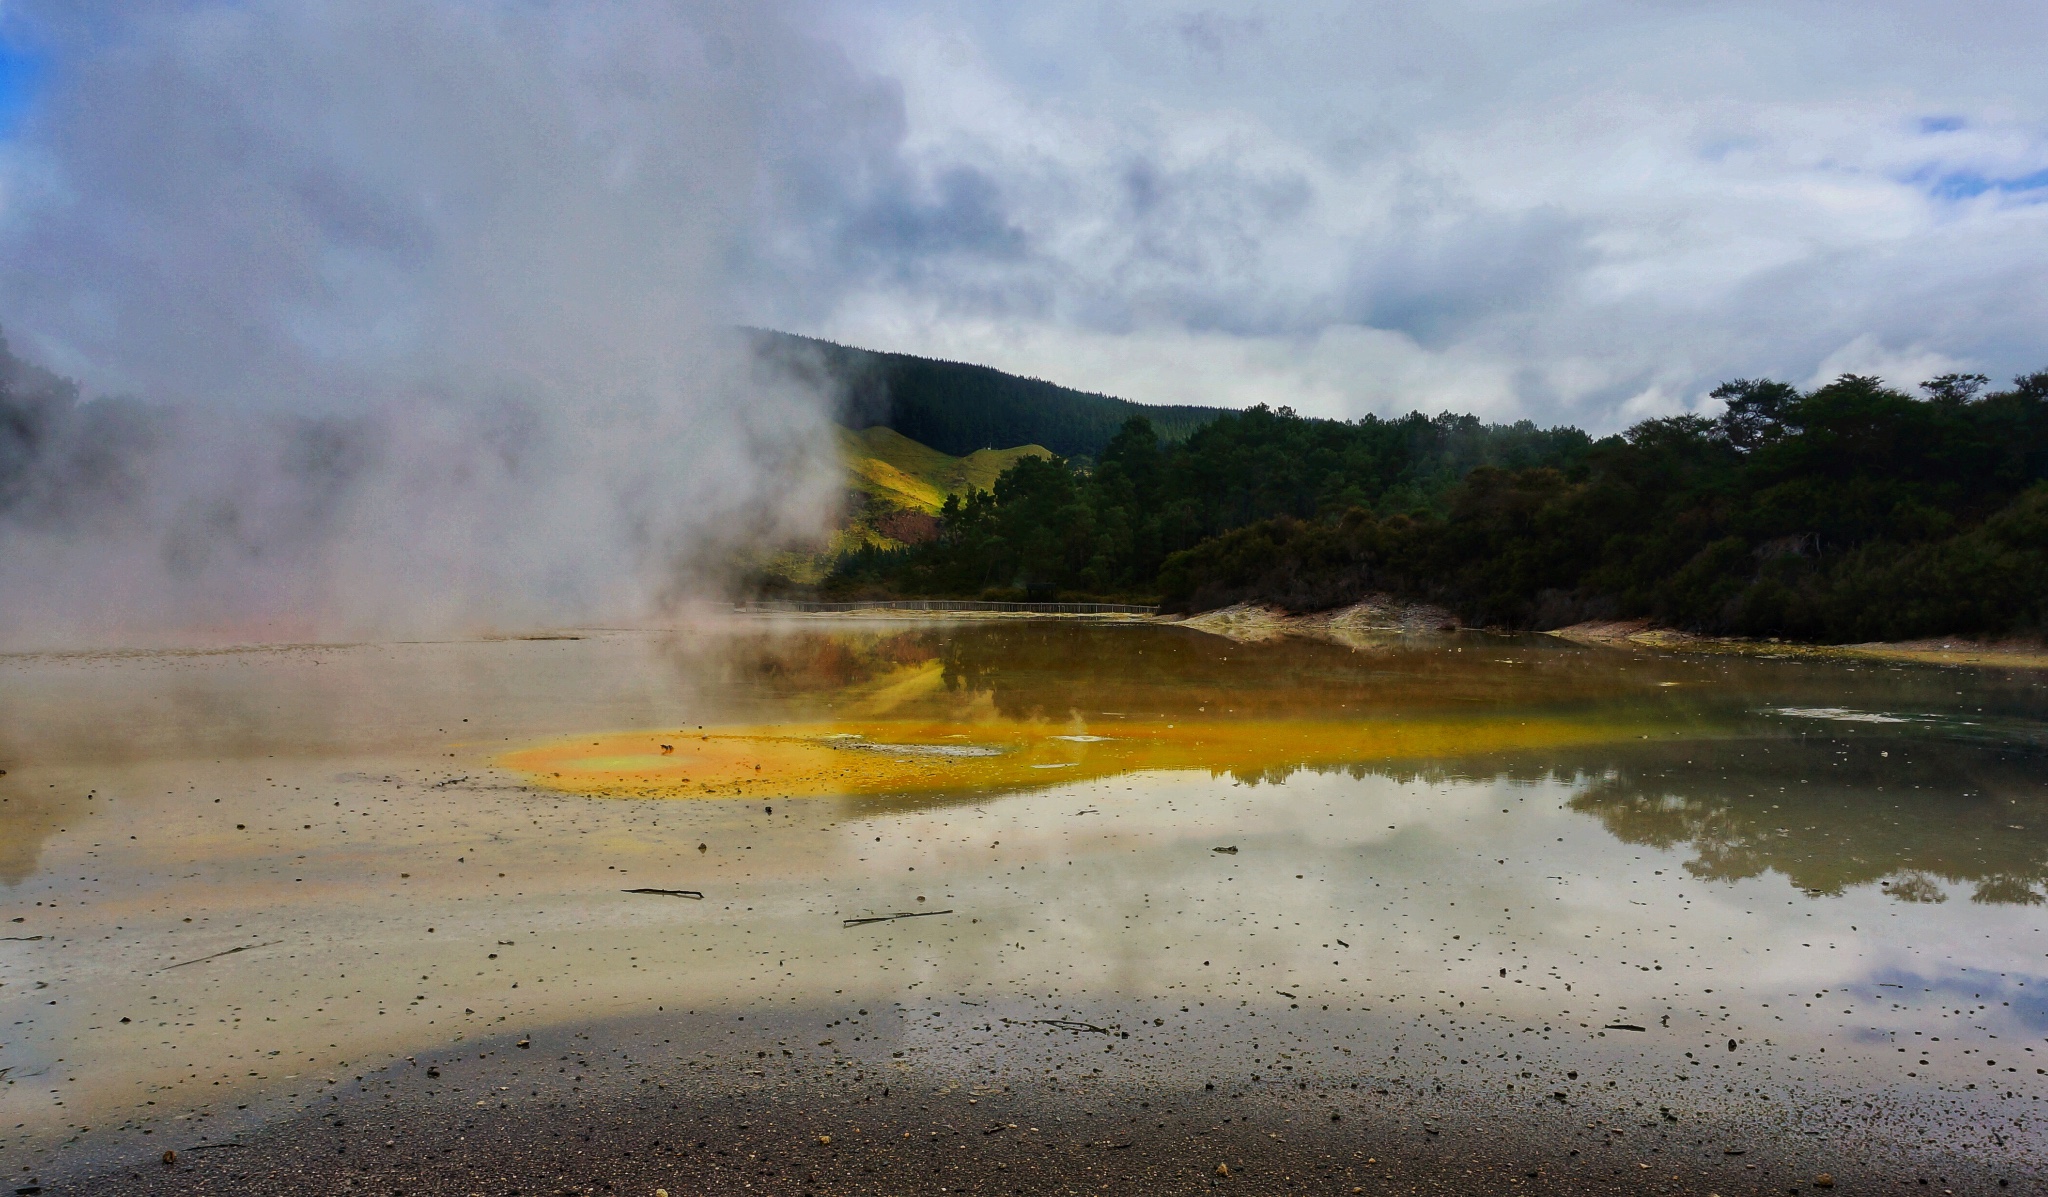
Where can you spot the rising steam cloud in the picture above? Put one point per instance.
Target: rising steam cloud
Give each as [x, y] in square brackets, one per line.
[414, 317]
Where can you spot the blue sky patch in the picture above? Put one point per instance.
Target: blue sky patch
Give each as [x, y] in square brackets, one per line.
[1940, 124]
[21, 75]
[1968, 184]
[2027, 1003]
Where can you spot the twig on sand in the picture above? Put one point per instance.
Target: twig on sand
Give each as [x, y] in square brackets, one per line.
[247, 947]
[889, 918]
[668, 893]
[1069, 1024]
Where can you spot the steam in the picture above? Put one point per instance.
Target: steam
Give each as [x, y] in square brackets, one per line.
[424, 309]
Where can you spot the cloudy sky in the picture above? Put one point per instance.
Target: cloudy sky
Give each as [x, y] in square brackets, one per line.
[1571, 210]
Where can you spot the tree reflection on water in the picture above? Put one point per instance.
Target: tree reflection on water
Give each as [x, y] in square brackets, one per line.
[1902, 812]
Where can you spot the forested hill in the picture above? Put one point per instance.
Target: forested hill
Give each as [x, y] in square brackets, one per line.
[1854, 511]
[958, 408]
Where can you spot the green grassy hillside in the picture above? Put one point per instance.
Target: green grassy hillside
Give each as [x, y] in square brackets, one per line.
[895, 488]
[891, 467]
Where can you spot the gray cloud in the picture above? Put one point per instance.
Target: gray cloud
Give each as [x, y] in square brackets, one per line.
[1437, 283]
[964, 214]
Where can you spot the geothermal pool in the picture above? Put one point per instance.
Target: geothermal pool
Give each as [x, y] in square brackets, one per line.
[1671, 919]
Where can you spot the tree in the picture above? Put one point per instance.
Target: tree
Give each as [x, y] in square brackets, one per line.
[1756, 410]
[1954, 389]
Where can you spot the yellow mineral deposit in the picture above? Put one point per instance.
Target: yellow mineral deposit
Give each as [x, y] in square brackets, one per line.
[927, 757]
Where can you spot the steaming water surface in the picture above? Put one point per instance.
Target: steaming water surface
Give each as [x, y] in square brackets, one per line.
[1492, 870]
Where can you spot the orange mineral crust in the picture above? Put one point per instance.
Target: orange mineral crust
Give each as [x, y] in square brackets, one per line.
[907, 757]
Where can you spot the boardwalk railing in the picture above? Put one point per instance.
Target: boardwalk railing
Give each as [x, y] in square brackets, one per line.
[804, 607]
